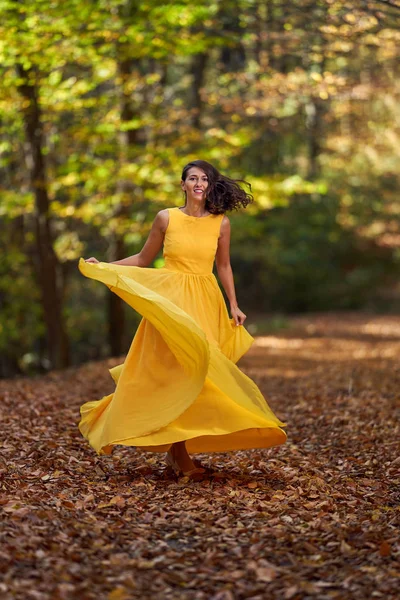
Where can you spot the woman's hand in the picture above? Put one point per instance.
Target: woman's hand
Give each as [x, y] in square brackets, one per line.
[238, 315]
[92, 259]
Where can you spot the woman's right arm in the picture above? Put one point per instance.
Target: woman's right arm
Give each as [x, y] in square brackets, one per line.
[150, 249]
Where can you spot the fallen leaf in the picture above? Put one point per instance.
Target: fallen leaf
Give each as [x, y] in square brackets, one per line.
[384, 549]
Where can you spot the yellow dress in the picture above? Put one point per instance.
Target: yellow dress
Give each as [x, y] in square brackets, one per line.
[179, 380]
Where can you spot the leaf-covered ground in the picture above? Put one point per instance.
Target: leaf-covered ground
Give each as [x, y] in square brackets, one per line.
[316, 518]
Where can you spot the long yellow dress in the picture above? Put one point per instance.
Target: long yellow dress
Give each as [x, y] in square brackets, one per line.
[179, 380]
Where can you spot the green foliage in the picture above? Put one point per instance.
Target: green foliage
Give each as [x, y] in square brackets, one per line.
[305, 259]
[299, 98]
[21, 319]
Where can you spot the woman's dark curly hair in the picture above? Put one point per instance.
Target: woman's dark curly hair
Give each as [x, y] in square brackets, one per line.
[222, 192]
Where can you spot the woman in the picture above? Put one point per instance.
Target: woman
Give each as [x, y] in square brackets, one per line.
[179, 389]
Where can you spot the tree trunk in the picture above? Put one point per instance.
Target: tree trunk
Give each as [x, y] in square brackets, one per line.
[127, 140]
[314, 133]
[198, 68]
[46, 262]
[315, 110]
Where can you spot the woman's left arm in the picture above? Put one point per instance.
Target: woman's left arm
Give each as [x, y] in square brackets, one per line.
[224, 269]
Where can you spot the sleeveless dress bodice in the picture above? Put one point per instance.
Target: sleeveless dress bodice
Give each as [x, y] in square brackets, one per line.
[190, 243]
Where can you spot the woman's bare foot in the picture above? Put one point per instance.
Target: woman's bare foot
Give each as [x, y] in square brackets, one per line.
[180, 460]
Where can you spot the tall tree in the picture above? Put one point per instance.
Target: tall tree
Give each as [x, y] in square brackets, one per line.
[45, 260]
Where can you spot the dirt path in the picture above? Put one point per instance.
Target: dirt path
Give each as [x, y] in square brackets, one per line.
[317, 518]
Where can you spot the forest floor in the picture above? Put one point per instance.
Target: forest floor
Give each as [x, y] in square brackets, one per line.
[315, 518]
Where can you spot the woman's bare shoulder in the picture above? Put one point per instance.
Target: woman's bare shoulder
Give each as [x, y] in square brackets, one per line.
[225, 223]
[161, 219]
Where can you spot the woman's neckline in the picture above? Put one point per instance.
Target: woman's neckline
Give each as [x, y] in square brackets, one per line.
[191, 216]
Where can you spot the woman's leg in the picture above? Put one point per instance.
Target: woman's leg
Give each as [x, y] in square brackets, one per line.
[181, 457]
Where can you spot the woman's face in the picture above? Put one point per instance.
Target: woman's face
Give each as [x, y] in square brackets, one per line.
[195, 184]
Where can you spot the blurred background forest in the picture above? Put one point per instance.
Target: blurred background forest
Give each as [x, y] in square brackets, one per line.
[103, 102]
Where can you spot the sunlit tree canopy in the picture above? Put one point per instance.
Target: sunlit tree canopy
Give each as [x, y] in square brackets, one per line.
[102, 104]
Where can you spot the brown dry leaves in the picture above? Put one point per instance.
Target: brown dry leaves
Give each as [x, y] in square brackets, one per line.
[317, 518]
